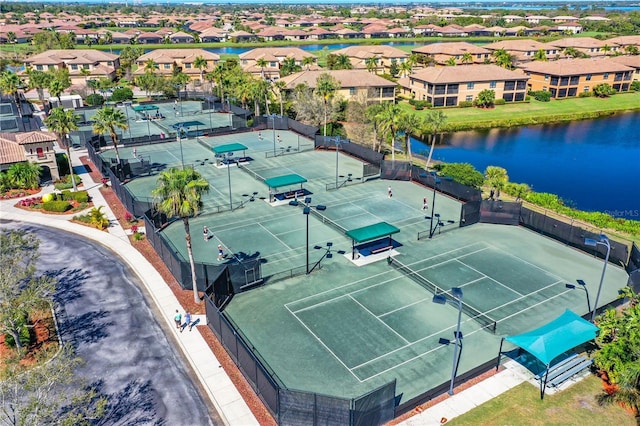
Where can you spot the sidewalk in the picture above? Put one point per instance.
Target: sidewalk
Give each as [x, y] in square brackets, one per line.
[223, 395]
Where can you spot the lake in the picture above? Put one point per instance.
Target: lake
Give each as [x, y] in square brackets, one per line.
[593, 165]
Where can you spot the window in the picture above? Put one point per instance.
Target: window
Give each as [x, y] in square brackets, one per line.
[51, 67]
[166, 66]
[86, 66]
[586, 89]
[440, 89]
[493, 84]
[452, 101]
[40, 153]
[352, 91]
[605, 76]
[588, 77]
[388, 92]
[554, 81]
[509, 85]
[187, 66]
[452, 89]
[572, 91]
[546, 77]
[564, 81]
[508, 97]
[469, 98]
[521, 85]
[545, 88]
[272, 64]
[39, 67]
[470, 85]
[574, 80]
[74, 67]
[519, 97]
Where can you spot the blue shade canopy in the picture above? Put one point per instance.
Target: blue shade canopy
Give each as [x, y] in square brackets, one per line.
[230, 147]
[372, 232]
[143, 108]
[556, 337]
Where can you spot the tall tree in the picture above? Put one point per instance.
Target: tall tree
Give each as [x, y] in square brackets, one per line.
[372, 114]
[372, 64]
[409, 123]
[289, 66]
[467, 58]
[24, 175]
[389, 119]
[107, 120]
[326, 87]
[279, 86]
[62, 122]
[21, 289]
[262, 63]
[540, 56]
[434, 121]
[307, 61]
[10, 84]
[179, 194]
[39, 80]
[201, 64]
[497, 178]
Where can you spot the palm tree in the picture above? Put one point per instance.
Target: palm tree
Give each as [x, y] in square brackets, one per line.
[503, 59]
[24, 175]
[107, 120]
[433, 124]
[150, 66]
[280, 86]
[372, 113]
[406, 68]
[262, 63]
[179, 194]
[467, 58]
[56, 87]
[372, 64]
[409, 122]
[201, 64]
[307, 61]
[389, 119]
[10, 83]
[326, 87]
[38, 80]
[342, 62]
[451, 62]
[62, 122]
[497, 178]
[540, 56]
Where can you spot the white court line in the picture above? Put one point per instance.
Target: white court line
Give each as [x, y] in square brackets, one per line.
[533, 306]
[487, 276]
[405, 307]
[274, 236]
[525, 296]
[323, 345]
[379, 320]
[171, 154]
[525, 261]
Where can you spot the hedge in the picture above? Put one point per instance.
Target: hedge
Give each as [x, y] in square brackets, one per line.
[79, 196]
[56, 206]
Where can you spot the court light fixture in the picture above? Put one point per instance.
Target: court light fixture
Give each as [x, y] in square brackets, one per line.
[603, 241]
[441, 299]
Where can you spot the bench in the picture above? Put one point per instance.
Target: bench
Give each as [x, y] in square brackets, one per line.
[557, 366]
[381, 249]
[294, 194]
[582, 365]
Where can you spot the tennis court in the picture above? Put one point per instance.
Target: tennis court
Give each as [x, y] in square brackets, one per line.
[346, 330]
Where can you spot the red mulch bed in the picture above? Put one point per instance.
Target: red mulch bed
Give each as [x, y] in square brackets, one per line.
[45, 337]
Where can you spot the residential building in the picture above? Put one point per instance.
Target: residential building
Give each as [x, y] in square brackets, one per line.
[443, 52]
[524, 50]
[448, 86]
[630, 61]
[35, 147]
[83, 64]
[360, 56]
[274, 57]
[588, 45]
[181, 37]
[352, 83]
[627, 44]
[569, 77]
[167, 59]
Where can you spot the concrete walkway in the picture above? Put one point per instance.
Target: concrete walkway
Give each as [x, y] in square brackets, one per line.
[224, 396]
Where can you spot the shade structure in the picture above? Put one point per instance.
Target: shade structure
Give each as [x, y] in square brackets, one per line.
[372, 232]
[284, 180]
[230, 147]
[556, 337]
[143, 108]
[187, 124]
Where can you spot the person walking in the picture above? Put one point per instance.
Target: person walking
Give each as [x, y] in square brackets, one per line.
[178, 319]
[187, 321]
[389, 193]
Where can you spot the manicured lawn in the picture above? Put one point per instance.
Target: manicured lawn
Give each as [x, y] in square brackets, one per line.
[521, 405]
[537, 112]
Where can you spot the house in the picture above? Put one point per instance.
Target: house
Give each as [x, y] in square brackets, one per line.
[630, 61]
[273, 57]
[149, 38]
[627, 44]
[352, 83]
[242, 36]
[569, 77]
[83, 64]
[181, 37]
[570, 28]
[523, 50]
[35, 147]
[213, 34]
[448, 86]
[361, 55]
[167, 59]
[443, 52]
[588, 45]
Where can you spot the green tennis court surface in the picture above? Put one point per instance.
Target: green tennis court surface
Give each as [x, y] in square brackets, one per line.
[345, 330]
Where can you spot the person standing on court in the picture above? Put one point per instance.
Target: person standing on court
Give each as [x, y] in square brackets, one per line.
[424, 204]
[389, 193]
[220, 252]
[178, 319]
[205, 233]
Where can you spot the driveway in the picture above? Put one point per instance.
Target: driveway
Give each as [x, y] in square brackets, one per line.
[103, 312]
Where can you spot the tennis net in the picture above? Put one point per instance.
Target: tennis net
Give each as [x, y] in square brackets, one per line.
[328, 221]
[483, 319]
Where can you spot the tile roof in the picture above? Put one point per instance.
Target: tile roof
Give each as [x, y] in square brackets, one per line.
[364, 52]
[576, 66]
[451, 48]
[347, 78]
[467, 73]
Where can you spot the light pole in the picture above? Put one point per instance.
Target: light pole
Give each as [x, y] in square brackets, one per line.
[583, 286]
[126, 111]
[337, 140]
[179, 133]
[432, 230]
[228, 158]
[604, 241]
[306, 211]
[441, 299]
[273, 123]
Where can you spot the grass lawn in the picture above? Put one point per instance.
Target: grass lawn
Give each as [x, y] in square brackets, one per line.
[521, 405]
[537, 112]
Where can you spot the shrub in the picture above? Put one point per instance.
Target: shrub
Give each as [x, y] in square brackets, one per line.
[585, 94]
[79, 196]
[500, 102]
[56, 206]
[541, 96]
[122, 94]
[24, 333]
[138, 236]
[95, 99]
[465, 104]
[419, 105]
[635, 86]
[65, 183]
